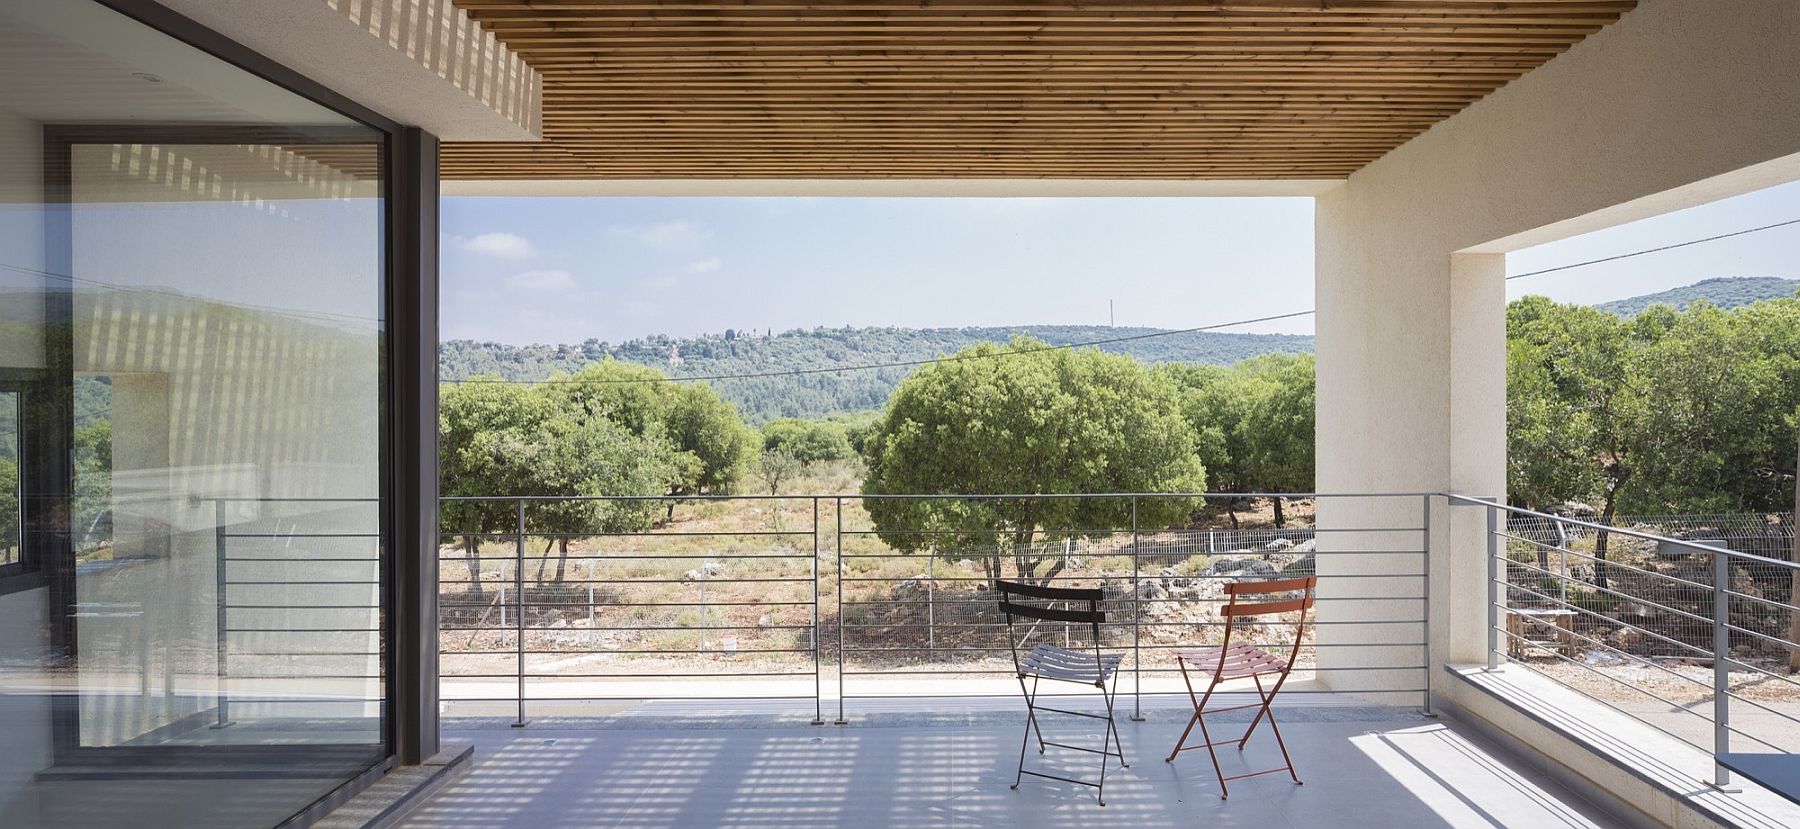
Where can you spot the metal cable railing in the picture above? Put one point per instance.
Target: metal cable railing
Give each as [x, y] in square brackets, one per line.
[1677, 629]
[768, 596]
[570, 616]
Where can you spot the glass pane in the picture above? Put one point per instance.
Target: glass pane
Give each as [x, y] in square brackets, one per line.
[192, 272]
[9, 478]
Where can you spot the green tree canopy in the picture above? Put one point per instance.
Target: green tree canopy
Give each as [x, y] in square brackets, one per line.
[1253, 422]
[808, 441]
[714, 443]
[504, 440]
[1031, 421]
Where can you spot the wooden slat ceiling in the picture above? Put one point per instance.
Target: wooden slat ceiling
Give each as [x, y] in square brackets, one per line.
[1095, 89]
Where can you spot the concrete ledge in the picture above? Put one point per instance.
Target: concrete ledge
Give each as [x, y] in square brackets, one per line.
[1637, 772]
[388, 800]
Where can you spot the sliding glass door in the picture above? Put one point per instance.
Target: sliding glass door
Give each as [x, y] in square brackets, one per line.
[193, 283]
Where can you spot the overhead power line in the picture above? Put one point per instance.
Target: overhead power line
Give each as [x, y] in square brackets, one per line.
[1617, 257]
[898, 363]
[1093, 343]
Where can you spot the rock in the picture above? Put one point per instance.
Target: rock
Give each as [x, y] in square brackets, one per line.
[1574, 509]
[1152, 591]
[1306, 565]
[1279, 545]
[1308, 546]
[965, 563]
[709, 570]
[1241, 568]
[918, 586]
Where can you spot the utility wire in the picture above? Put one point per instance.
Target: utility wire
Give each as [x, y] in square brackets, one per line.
[900, 363]
[896, 364]
[1653, 250]
[1093, 343]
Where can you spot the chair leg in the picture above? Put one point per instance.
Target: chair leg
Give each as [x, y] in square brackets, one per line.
[1030, 725]
[1267, 710]
[1032, 704]
[1182, 664]
[1280, 743]
[1261, 710]
[1218, 770]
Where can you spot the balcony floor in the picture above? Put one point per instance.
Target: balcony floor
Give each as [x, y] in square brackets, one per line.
[694, 765]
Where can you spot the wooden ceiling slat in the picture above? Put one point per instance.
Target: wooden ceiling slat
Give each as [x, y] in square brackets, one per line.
[1130, 89]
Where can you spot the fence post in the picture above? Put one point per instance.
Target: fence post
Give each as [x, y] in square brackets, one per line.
[838, 550]
[704, 560]
[219, 545]
[1493, 587]
[1137, 655]
[818, 683]
[931, 607]
[1721, 625]
[519, 609]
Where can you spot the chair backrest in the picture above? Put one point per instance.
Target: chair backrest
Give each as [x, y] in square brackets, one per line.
[1305, 585]
[1237, 608]
[1012, 593]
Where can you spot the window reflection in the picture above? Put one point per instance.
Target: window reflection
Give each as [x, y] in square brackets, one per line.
[191, 339]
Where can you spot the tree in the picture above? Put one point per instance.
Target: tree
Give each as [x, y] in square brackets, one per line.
[9, 509]
[470, 417]
[704, 426]
[1253, 424]
[774, 466]
[809, 441]
[713, 440]
[509, 441]
[1022, 420]
[1584, 357]
[1278, 440]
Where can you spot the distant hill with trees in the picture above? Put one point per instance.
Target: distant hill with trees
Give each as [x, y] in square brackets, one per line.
[1727, 292]
[763, 399]
[767, 398]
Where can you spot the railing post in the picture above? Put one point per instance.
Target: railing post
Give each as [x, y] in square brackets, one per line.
[838, 553]
[931, 607]
[1721, 625]
[1493, 587]
[1425, 546]
[519, 615]
[219, 545]
[818, 683]
[1137, 655]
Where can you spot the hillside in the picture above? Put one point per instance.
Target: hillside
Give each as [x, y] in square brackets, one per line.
[762, 399]
[765, 398]
[1725, 292]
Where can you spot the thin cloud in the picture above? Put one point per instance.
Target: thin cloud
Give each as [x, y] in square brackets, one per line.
[706, 265]
[502, 245]
[659, 234]
[542, 280]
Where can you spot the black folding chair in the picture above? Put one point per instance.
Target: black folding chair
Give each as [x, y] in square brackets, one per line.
[1062, 665]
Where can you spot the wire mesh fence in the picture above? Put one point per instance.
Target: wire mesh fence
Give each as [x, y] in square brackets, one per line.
[842, 597]
[1687, 622]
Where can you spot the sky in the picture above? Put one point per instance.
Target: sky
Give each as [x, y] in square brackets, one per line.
[563, 270]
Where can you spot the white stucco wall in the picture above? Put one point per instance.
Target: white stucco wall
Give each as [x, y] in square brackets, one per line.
[1681, 102]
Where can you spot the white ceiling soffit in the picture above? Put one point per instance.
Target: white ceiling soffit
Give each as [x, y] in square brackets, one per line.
[422, 63]
[936, 187]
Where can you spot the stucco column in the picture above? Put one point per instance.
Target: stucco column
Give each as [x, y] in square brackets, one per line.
[1411, 399]
[1477, 455]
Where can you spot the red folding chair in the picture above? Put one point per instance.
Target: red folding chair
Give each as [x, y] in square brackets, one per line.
[1237, 661]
